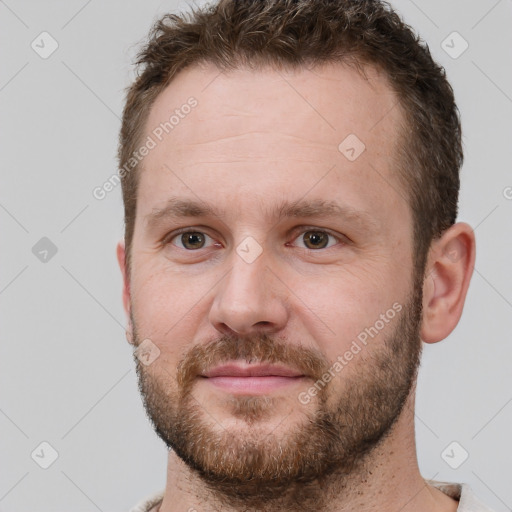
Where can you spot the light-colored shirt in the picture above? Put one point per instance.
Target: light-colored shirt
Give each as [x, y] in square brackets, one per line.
[462, 493]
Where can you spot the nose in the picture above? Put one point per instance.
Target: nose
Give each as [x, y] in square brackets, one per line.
[249, 299]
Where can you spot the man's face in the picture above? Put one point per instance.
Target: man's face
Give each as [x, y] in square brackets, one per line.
[246, 285]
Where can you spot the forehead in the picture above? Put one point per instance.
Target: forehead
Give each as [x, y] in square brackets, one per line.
[271, 128]
[331, 98]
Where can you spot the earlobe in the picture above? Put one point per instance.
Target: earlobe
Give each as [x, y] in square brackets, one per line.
[449, 270]
[126, 289]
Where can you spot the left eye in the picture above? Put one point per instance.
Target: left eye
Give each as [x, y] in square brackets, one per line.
[316, 239]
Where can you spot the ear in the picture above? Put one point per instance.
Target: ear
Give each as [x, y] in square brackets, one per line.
[449, 269]
[121, 258]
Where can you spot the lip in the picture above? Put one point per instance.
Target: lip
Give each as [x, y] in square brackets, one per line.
[252, 370]
[256, 379]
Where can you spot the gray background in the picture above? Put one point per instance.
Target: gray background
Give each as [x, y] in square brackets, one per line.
[66, 372]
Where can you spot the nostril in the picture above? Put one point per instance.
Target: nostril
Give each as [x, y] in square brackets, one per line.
[263, 324]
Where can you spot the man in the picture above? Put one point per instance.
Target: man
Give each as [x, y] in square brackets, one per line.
[290, 181]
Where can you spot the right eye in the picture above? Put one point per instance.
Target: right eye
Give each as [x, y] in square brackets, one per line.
[188, 240]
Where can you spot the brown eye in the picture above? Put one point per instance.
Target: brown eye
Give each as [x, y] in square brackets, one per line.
[316, 239]
[189, 240]
[192, 240]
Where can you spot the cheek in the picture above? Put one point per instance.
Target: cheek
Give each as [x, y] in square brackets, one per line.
[338, 308]
[165, 307]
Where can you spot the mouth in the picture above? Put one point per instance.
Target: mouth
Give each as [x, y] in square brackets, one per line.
[241, 378]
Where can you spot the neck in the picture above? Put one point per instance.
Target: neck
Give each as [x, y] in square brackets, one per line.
[388, 479]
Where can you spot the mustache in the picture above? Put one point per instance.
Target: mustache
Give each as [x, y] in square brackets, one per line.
[261, 348]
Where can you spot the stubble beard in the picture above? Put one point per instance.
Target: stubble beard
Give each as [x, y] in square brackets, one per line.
[254, 468]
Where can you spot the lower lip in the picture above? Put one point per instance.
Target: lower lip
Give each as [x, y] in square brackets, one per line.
[253, 385]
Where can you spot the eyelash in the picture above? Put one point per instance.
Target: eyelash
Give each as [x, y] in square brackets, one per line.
[303, 229]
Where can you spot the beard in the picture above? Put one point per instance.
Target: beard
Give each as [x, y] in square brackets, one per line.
[264, 468]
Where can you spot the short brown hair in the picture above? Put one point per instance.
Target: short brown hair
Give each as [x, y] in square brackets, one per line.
[296, 33]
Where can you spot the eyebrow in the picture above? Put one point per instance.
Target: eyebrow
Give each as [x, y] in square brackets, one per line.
[180, 208]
